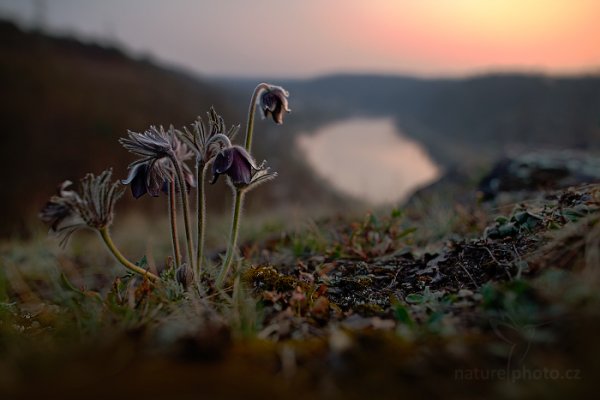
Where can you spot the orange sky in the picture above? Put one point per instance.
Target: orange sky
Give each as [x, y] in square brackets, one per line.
[466, 34]
[312, 37]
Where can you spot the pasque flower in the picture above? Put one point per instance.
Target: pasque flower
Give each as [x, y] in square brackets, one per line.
[154, 171]
[93, 208]
[274, 102]
[206, 141]
[240, 168]
[69, 211]
[146, 177]
[154, 176]
[163, 156]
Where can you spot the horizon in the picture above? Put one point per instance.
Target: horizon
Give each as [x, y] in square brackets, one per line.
[448, 40]
[167, 64]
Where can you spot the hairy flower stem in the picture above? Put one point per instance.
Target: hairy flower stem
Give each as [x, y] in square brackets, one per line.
[200, 212]
[173, 220]
[186, 212]
[105, 234]
[238, 196]
[251, 114]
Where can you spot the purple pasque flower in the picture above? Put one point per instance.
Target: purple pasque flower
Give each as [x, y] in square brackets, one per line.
[147, 177]
[154, 171]
[206, 141]
[274, 102]
[240, 168]
[153, 177]
[93, 207]
[58, 209]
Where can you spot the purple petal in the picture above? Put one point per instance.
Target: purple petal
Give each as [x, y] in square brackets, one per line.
[241, 167]
[274, 103]
[165, 187]
[221, 164]
[137, 180]
[278, 114]
[223, 161]
[214, 178]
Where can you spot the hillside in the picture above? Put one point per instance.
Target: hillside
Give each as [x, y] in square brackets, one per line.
[460, 121]
[65, 103]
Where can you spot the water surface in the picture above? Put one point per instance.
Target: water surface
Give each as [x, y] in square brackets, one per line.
[368, 158]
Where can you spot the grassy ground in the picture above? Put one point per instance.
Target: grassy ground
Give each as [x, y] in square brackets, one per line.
[442, 298]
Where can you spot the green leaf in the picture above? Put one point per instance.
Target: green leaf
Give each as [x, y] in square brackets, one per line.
[573, 214]
[507, 230]
[143, 263]
[527, 220]
[402, 315]
[501, 220]
[67, 285]
[414, 298]
[406, 232]
[396, 213]
[434, 319]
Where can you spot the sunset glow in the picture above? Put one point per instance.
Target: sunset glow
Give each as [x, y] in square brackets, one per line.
[312, 37]
[473, 34]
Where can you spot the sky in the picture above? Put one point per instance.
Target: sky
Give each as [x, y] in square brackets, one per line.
[306, 38]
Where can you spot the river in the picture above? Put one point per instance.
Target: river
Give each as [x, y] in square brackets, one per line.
[368, 158]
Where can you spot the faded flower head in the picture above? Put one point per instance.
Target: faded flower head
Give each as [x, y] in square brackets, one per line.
[154, 171]
[206, 141]
[274, 102]
[240, 168]
[69, 211]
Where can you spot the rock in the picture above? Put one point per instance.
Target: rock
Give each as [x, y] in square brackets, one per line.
[542, 170]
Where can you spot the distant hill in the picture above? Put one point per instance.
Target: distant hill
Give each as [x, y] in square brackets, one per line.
[63, 106]
[460, 120]
[65, 103]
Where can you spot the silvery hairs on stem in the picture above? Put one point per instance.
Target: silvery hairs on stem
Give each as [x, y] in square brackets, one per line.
[206, 141]
[154, 170]
[69, 211]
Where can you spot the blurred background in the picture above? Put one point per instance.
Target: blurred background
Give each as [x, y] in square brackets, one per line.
[387, 96]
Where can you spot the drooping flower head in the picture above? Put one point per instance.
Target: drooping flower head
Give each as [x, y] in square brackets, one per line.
[145, 177]
[69, 211]
[154, 170]
[240, 168]
[274, 102]
[206, 141]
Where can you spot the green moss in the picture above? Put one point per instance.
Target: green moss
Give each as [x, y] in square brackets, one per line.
[267, 278]
[285, 283]
[369, 309]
